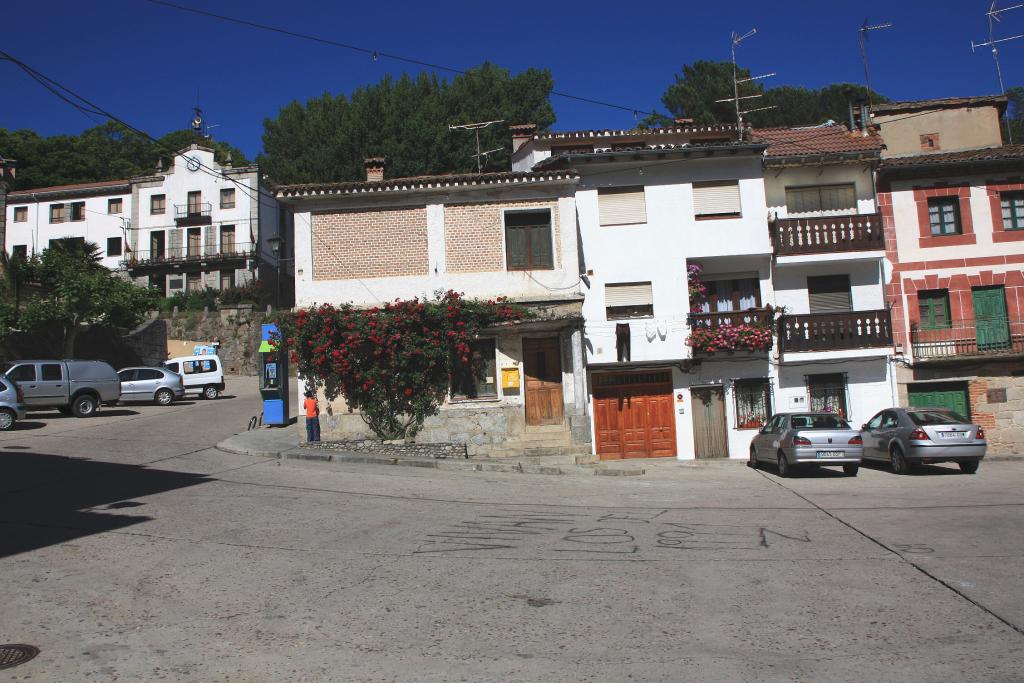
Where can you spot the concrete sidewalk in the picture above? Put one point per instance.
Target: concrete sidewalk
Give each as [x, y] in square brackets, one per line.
[289, 443]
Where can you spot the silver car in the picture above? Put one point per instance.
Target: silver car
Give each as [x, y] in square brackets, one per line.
[906, 437]
[12, 404]
[159, 385]
[793, 439]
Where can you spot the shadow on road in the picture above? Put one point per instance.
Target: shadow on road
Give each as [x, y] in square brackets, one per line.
[23, 425]
[56, 415]
[50, 499]
[919, 470]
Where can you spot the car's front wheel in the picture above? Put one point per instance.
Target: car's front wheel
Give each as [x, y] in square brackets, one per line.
[7, 420]
[969, 466]
[785, 469]
[164, 397]
[84, 406]
[851, 470]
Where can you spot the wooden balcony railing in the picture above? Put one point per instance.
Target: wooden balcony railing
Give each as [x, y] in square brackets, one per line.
[969, 338]
[835, 331]
[752, 316]
[826, 234]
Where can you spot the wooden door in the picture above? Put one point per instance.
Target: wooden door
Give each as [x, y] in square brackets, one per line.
[542, 363]
[633, 423]
[606, 426]
[990, 318]
[634, 415]
[661, 424]
[194, 237]
[710, 439]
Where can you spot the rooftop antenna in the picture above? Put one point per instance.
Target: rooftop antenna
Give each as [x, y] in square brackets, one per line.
[993, 16]
[476, 128]
[863, 32]
[736, 39]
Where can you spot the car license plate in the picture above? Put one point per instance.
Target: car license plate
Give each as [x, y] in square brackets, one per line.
[829, 454]
[952, 435]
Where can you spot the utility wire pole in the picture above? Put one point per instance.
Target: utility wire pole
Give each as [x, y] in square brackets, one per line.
[476, 128]
[993, 17]
[863, 32]
[736, 39]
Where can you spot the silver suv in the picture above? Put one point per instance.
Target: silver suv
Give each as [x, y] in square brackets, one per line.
[76, 387]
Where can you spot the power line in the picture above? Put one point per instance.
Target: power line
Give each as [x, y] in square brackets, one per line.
[377, 54]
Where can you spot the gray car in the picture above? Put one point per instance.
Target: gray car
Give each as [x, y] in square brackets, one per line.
[158, 385]
[793, 439]
[12, 404]
[905, 437]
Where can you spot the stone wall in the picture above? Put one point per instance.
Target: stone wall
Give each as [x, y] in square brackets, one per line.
[238, 329]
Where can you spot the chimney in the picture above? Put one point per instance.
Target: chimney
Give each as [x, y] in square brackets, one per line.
[374, 169]
[521, 134]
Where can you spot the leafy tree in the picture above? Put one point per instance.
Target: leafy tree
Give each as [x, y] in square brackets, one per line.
[75, 290]
[695, 90]
[105, 152]
[1014, 115]
[406, 120]
[396, 363]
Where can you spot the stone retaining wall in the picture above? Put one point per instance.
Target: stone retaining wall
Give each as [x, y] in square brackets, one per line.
[396, 449]
[238, 330]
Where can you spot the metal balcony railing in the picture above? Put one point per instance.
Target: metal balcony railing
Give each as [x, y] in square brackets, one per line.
[190, 210]
[835, 331]
[225, 252]
[990, 337]
[827, 234]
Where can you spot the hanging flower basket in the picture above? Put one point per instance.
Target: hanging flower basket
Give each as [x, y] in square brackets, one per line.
[730, 338]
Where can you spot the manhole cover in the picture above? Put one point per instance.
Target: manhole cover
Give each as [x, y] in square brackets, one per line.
[13, 655]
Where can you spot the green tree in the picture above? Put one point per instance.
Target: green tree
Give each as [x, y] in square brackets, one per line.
[105, 152]
[75, 290]
[406, 120]
[1014, 116]
[694, 91]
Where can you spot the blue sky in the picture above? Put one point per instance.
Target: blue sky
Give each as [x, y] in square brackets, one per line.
[145, 63]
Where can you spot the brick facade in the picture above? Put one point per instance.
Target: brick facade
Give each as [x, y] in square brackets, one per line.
[369, 243]
[474, 238]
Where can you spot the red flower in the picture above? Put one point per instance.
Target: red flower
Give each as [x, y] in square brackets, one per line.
[408, 391]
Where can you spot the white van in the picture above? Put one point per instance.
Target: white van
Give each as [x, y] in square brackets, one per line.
[202, 374]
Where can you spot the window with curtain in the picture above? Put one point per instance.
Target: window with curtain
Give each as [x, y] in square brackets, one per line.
[731, 294]
[753, 403]
[827, 394]
[944, 215]
[815, 198]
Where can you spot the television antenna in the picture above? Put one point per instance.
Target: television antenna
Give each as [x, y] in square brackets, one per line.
[993, 17]
[864, 30]
[736, 39]
[476, 128]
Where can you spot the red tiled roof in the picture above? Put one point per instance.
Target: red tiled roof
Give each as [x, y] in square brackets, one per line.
[423, 182]
[989, 154]
[68, 188]
[836, 139]
[940, 103]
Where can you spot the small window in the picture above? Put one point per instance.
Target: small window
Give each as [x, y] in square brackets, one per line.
[148, 373]
[227, 239]
[933, 307]
[622, 205]
[173, 367]
[195, 203]
[127, 375]
[20, 214]
[528, 240]
[113, 246]
[944, 215]
[115, 205]
[829, 294]
[77, 211]
[718, 199]
[484, 359]
[753, 403]
[227, 198]
[58, 213]
[227, 279]
[629, 300]
[827, 393]
[20, 251]
[930, 142]
[158, 204]
[23, 373]
[1013, 210]
[193, 367]
[821, 198]
[52, 372]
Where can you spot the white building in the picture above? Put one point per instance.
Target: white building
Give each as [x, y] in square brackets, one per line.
[194, 225]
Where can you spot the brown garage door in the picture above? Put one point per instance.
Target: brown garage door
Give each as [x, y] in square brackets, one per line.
[634, 415]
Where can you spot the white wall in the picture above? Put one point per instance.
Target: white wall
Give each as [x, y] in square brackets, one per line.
[870, 386]
[866, 290]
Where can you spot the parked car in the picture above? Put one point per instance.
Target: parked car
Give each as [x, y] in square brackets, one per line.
[12, 404]
[202, 374]
[906, 437]
[819, 439]
[159, 385]
[75, 387]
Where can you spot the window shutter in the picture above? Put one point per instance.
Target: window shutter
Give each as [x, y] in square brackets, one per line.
[515, 244]
[622, 205]
[631, 294]
[210, 238]
[174, 243]
[540, 246]
[715, 198]
[829, 294]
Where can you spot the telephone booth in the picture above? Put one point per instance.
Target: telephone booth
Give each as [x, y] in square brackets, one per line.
[273, 378]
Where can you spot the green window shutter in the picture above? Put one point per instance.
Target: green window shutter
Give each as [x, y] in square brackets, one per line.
[516, 240]
[540, 247]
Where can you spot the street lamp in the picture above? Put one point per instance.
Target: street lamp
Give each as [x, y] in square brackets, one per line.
[276, 247]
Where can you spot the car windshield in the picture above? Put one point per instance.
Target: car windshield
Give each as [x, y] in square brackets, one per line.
[819, 422]
[936, 417]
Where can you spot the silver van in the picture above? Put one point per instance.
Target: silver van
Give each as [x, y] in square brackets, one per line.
[75, 387]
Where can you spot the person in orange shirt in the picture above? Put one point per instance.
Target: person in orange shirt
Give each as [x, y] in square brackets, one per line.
[312, 417]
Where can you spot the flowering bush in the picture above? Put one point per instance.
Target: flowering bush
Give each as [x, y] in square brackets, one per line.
[730, 338]
[394, 363]
[698, 290]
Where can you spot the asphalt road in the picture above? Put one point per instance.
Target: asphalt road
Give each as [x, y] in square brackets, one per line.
[131, 550]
